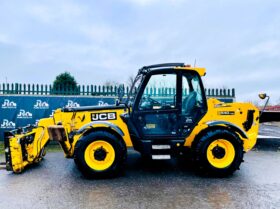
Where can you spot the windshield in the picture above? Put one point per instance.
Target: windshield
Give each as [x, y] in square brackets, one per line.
[134, 89]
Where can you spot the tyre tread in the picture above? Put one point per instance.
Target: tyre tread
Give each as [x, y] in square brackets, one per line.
[203, 166]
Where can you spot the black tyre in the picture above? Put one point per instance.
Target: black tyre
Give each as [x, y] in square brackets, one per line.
[100, 154]
[218, 153]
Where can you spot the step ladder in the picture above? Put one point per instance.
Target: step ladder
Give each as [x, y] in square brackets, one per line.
[163, 152]
[2, 165]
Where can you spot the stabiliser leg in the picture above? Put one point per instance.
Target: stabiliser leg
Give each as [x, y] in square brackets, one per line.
[8, 163]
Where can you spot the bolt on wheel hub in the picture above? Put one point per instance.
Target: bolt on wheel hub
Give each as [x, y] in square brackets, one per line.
[100, 154]
[218, 152]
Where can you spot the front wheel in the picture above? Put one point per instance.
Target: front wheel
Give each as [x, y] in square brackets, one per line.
[219, 152]
[100, 155]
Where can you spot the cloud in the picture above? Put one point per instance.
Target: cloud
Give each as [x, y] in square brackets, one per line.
[142, 2]
[268, 48]
[4, 39]
[54, 12]
[97, 33]
[108, 40]
[152, 2]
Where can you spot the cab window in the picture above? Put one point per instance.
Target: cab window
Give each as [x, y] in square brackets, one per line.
[192, 96]
[159, 93]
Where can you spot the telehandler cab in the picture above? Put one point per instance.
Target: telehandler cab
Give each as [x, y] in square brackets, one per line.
[161, 127]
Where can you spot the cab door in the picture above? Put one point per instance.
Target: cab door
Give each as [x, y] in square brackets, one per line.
[156, 112]
[194, 104]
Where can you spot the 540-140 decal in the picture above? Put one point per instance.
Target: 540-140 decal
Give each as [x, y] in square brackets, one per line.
[226, 113]
[103, 116]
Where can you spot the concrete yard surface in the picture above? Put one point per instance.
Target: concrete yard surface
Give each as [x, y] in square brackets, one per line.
[56, 183]
[270, 130]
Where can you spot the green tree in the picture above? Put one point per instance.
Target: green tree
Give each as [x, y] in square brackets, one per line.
[65, 82]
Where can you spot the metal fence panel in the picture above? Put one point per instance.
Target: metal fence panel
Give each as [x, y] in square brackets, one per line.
[91, 90]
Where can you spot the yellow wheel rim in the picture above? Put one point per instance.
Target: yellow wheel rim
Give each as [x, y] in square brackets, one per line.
[99, 155]
[220, 153]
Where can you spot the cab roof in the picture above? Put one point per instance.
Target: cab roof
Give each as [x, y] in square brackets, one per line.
[201, 71]
[175, 66]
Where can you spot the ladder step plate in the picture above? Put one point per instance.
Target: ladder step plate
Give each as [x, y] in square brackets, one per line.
[161, 157]
[161, 146]
[3, 166]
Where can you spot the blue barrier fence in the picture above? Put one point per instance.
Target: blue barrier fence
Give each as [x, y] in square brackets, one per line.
[18, 111]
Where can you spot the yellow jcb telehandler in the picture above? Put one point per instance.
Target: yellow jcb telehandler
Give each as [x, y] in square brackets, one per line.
[165, 115]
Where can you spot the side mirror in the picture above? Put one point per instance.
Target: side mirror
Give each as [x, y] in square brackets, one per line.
[117, 102]
[262, 95]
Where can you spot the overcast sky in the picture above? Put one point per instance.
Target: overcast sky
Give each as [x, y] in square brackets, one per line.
[237, 41]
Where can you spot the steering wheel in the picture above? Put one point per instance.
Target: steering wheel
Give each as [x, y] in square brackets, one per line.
[153, 101]
[148, 102]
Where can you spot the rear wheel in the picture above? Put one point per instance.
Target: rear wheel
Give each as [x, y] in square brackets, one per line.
[100, 155]
[219, 152]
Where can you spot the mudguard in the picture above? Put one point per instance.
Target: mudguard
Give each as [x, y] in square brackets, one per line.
[100, 124]
[228, 124]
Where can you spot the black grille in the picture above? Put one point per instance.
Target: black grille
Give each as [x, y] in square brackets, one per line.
[250, 119]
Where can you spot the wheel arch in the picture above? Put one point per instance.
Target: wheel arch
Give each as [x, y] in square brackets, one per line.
[223, 125]
[102, 126]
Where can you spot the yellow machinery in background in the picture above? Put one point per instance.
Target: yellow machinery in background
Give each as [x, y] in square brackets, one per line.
[165, 115]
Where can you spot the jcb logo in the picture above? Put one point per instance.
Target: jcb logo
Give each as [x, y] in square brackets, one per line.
[103, 116]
